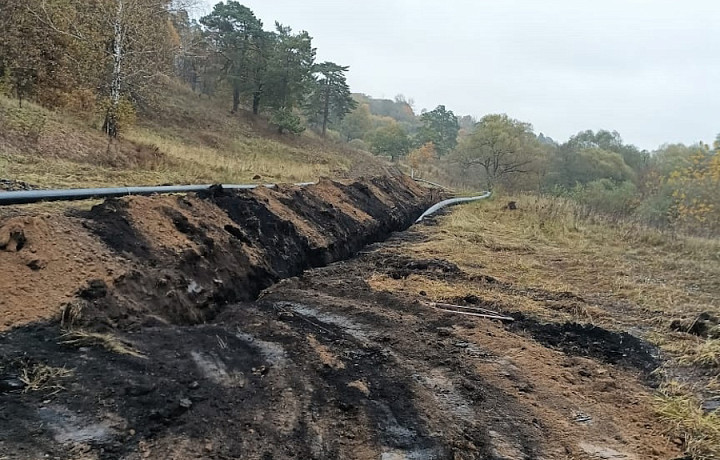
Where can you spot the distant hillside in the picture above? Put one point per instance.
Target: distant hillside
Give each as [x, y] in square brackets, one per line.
[399, 109]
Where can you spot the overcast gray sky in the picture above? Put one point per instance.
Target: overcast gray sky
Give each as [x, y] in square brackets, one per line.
[647, 68]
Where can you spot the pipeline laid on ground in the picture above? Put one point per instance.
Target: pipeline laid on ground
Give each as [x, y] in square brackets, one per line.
[35, 196]
[451, 202]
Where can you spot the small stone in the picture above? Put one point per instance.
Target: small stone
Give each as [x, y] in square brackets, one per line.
[194, 385]
[185, 403]
[37, 264]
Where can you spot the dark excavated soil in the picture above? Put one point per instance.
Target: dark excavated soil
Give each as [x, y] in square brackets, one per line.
[238, 243]
[320, 366]
[594, 341]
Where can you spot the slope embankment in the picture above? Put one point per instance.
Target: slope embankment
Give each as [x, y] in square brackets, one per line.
[179, 259]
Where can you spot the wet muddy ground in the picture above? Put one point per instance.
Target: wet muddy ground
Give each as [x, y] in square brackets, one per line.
[322, 366]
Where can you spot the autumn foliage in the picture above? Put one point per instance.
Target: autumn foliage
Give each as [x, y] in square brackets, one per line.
[422, 158]
[696, 191]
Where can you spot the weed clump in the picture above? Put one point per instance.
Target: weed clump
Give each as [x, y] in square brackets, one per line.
[110, 342]
[41, 377]
[683, 413]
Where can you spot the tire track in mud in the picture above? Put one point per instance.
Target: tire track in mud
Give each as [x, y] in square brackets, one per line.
[465, 416]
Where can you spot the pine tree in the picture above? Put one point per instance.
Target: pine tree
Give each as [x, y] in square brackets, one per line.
[237, 36]
[330, 98]
[288, 76]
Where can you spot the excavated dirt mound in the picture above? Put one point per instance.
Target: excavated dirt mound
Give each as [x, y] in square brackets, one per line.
[202, 356]
[180, 259]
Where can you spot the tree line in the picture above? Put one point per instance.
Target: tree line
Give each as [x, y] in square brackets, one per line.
[391, 127]
[676, 186]
[113, 55]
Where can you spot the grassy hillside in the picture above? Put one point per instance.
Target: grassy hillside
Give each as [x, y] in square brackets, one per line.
[183, 139]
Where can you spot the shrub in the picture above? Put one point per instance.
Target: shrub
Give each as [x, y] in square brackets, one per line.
[285, 120]
[359, 144]
[126, 115]
[657, 209]
[603, 195]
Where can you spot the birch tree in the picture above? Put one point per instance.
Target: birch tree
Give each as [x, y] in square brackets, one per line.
[140, 51]
[118, 46]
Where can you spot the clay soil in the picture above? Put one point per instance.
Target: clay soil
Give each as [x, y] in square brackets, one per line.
[267, 357]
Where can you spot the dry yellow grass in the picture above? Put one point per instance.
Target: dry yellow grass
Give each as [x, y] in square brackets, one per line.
[187, 140]
[629, 277]
[80, 338]
[550, 244]
[41, 377]
[704, 353]
[686, 419]
[238, 161]
[449, 292]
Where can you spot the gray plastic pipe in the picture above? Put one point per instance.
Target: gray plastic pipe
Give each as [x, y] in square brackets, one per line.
[35, 196]
[451, 202]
